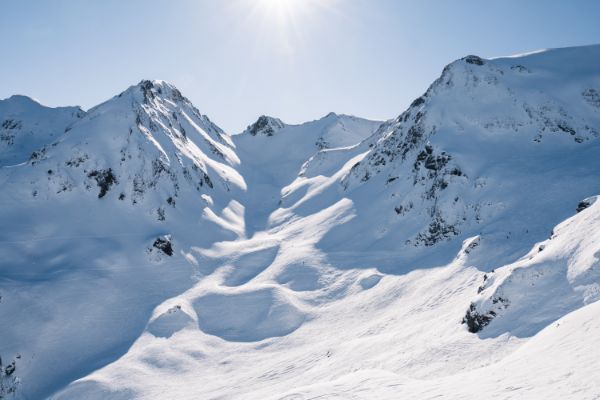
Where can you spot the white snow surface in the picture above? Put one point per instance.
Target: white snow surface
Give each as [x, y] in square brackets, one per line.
[451, 252]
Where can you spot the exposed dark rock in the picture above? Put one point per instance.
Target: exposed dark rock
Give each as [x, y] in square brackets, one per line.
[207, 180]
[176, 95]
[419, 101]
[77, 161]
[435, 163]
[164, 245]
[437, 231]
[265, 125]
[146, 88]
[10, 124]
[472, 247]
[592, 96]
[10, 369]
[476, 321]
[105, 179]
[456, 172]
[565, 128]
[8, 381]
[422, 156]
[321, 144]
[520, 68]
[583, 205]
[37, 156]
[475, 60]
[501, 300]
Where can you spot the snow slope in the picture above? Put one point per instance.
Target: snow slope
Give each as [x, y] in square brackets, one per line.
[26, 125]
[503, 149]
[558, 363]
[557, 276]
[450, 252]
[360, 334]
[90, 214]
[272, 154]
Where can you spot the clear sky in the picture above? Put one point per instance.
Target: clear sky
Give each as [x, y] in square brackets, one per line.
[293, 59]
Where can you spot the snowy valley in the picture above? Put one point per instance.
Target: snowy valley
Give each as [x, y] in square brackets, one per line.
[451, 252]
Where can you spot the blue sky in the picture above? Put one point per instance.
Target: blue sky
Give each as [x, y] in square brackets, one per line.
[293, 59]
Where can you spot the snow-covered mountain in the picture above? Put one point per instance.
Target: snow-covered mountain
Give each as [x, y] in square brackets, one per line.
[98, 220]
[451, 251]
[27, 126]
[272, 154]
[504, 148]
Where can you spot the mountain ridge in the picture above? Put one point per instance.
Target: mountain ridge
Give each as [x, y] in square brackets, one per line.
[149, 250]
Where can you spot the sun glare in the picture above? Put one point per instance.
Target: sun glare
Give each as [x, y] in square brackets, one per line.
[281, 8]
[285, 24]
[285, 11]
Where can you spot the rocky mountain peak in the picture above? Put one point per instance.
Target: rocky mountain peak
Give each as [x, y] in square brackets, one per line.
[265, 125]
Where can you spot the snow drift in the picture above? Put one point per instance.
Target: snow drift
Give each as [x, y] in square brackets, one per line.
[449, 251]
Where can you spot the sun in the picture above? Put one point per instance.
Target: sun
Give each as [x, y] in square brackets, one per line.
[283, 10]
[285, 22]
[283, 26]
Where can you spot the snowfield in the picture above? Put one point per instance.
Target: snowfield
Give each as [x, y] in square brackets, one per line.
[451, 252]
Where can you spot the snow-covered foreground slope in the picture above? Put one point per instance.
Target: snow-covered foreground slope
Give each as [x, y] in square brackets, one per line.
[558, 363]
[448, 253]
[361, 334]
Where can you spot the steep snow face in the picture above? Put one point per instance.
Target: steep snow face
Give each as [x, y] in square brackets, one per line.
[501, 148]
[557, 276]
[149, 141]
[26, 125]
[272, 154]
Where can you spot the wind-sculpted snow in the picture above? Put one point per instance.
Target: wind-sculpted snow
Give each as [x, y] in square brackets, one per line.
[450, 252]
[557, 276]
[247, 316]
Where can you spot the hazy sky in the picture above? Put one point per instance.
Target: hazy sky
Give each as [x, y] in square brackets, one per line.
[293, 59]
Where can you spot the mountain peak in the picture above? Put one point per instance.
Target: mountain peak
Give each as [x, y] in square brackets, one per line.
[19, 103]
[265, 125]
[472, 59]
[151, 89]
[146, 91]
[22, 99]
